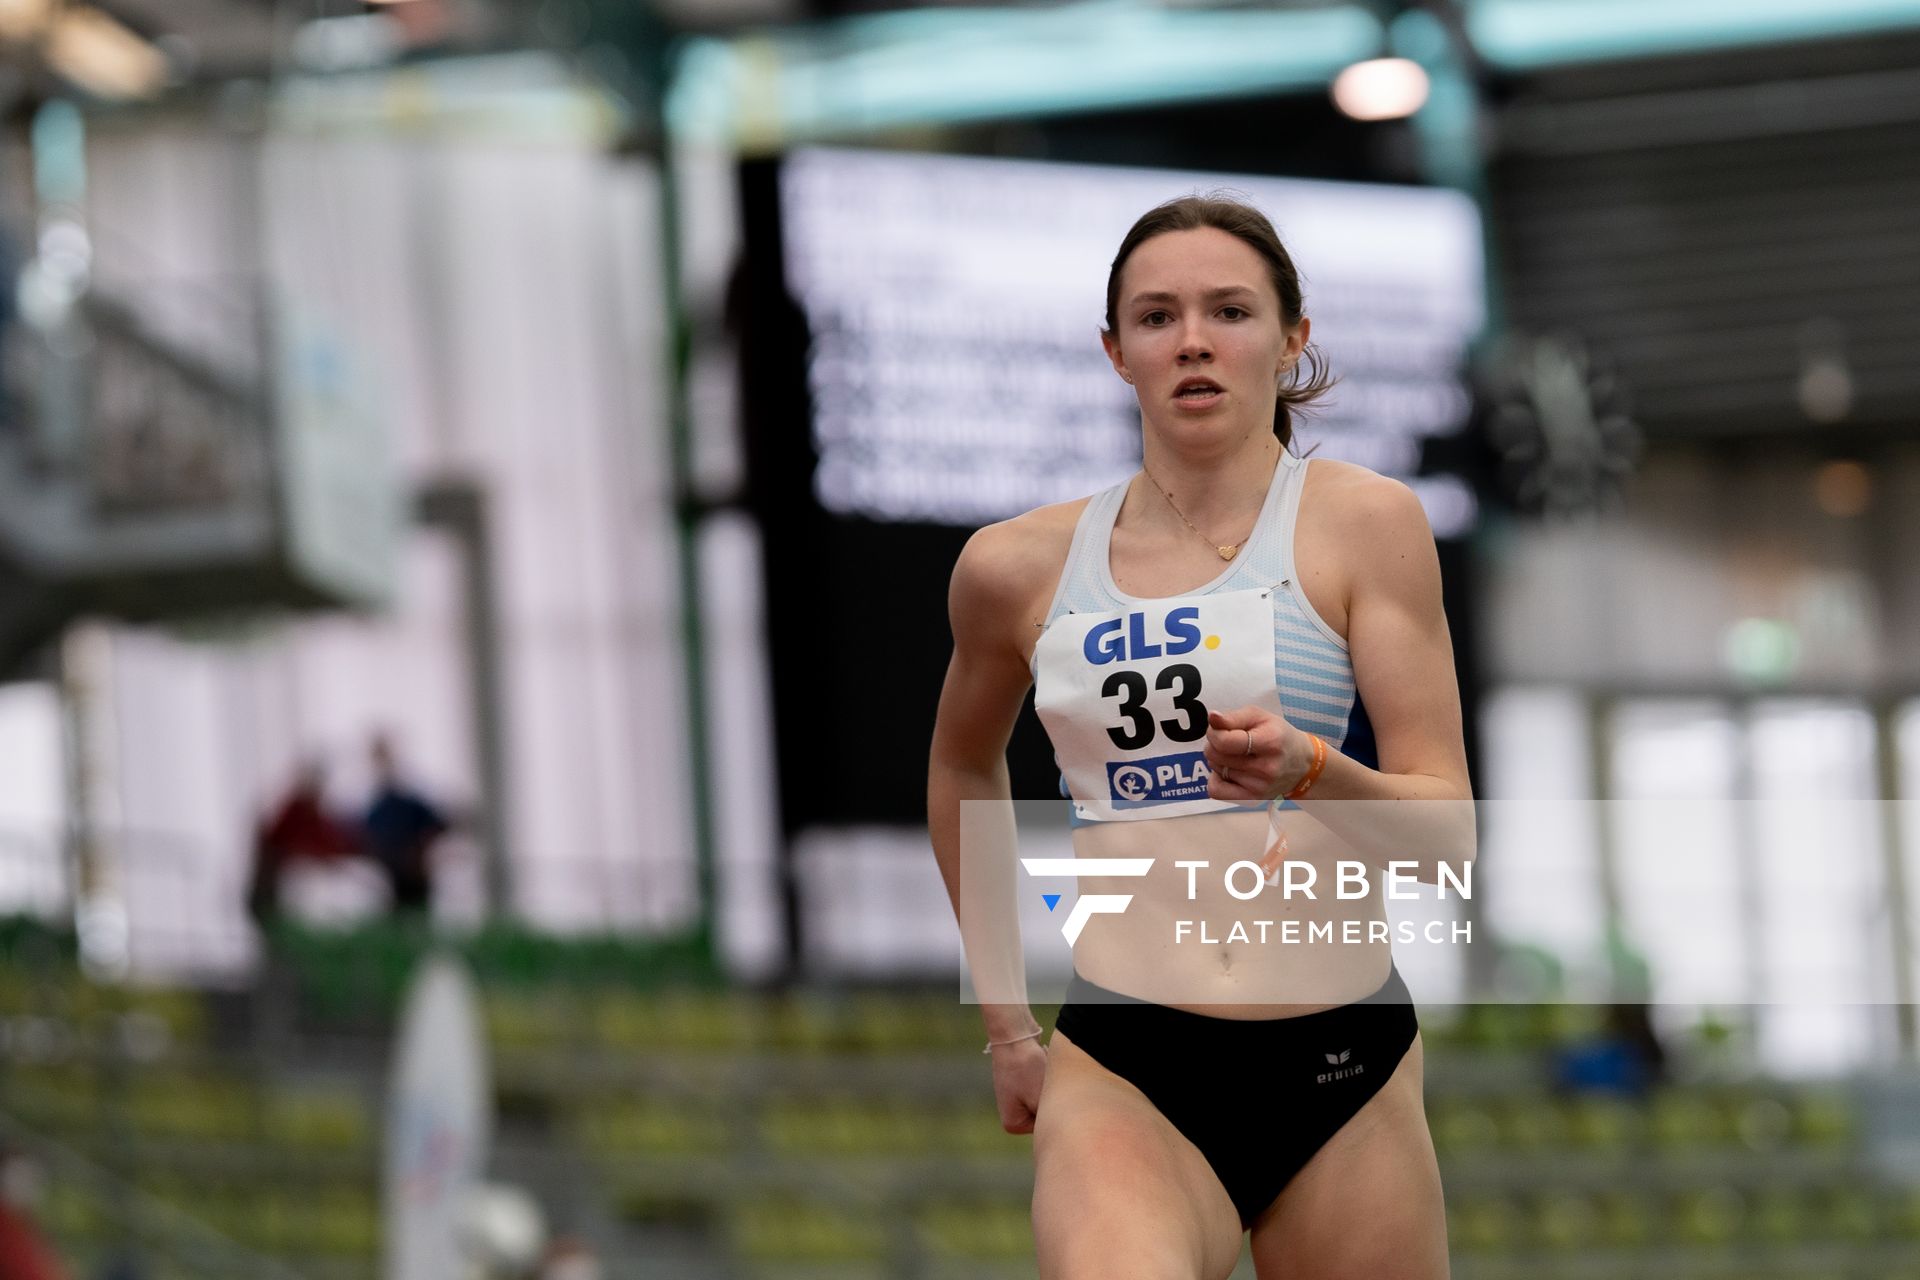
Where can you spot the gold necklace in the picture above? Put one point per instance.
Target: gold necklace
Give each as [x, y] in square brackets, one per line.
[1227, 552]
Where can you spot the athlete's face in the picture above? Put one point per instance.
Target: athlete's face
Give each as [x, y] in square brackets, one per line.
[1200, 307]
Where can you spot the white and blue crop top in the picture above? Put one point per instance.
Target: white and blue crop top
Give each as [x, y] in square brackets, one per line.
[1116, 681]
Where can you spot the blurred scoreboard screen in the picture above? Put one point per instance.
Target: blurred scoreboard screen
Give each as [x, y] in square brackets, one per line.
[955, 305]
[921, 356]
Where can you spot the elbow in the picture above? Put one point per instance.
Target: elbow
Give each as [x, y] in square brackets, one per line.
[1454, 843]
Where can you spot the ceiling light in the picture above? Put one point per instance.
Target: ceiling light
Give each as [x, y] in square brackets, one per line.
[1381, 89]
[22, 20]
[99, 55]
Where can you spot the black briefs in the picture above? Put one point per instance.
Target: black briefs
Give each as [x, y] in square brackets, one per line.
[1257, 1097]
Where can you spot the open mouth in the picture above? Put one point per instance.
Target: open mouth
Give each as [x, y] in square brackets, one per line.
[1196, 390]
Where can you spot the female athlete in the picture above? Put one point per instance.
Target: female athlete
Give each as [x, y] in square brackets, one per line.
[1232, 627]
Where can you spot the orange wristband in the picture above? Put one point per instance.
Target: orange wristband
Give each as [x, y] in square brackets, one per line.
[1313, 772]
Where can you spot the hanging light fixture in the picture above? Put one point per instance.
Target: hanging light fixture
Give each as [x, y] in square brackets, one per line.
[1381, 89]
[24, 20]
[94, 51]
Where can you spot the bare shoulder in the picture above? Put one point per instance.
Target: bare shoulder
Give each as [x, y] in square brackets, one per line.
[1366, 509]
[1010, 569]
[1360, 534]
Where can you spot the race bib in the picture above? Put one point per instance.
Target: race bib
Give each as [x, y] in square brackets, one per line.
[1124, 697]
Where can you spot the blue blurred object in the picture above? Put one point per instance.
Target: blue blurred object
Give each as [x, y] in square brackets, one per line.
[1605, 1066]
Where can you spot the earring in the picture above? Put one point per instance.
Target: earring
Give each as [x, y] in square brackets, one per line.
[1127, 378]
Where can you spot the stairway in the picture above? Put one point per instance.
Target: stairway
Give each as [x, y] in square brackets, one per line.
[144, 479]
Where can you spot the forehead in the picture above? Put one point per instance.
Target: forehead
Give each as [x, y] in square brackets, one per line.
[1203, 258]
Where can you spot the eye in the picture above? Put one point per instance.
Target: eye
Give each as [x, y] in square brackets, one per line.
[1237, 312]
[1152, 318]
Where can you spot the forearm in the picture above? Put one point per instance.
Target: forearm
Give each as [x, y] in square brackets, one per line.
[1395, 817]
[970, 820]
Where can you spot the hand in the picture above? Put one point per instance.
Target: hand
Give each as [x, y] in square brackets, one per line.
[1019, 1069]
[1280, 757]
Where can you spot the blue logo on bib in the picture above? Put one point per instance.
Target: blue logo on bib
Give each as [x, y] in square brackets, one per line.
[1137, 784]
[1126, 639]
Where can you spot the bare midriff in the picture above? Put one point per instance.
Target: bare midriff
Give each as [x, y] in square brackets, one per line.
[1210, 967]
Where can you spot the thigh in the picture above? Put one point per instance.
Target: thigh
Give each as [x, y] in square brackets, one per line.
[1368, 1205]
[1118, 1193]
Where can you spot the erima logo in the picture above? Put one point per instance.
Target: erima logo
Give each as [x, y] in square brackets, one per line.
[1090, 904]
[1336, 1059]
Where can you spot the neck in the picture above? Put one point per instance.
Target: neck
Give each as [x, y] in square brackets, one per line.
[1221, 494]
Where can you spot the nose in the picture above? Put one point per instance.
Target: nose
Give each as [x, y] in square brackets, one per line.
[1194, 347]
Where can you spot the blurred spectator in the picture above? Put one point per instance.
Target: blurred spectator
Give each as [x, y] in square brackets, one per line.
[300, 827]
[24, 1255]
[400, 830]
[1626, 1057]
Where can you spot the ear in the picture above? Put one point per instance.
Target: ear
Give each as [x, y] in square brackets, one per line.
[1112, 344]
[1297, 341]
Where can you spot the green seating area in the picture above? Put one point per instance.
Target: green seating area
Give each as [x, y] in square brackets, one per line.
[60, 1002]
[745, 1118]
[721, 1022]
[278, 1217]
[851, 1133]
[260, 1170]
[153, 1133]
[1560, 1219]
[1696, 1119]
[178, 1107]
[627, 1128]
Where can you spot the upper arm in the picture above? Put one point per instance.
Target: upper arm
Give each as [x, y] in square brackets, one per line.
[989, 601]
[1397, 635]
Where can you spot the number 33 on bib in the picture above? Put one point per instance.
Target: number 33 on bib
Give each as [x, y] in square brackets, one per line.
[1124, 697]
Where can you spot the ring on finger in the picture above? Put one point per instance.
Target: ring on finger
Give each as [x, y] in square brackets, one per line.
[1224, 775]
[1249, 733]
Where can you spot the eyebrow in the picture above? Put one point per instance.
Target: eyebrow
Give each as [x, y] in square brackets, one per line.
[1221, 292]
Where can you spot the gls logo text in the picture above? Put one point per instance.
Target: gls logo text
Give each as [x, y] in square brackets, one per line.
[1090, 904]
[1125, 639]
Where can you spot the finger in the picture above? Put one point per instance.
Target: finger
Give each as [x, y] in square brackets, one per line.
[1231, 744]
[1251, 772]
[1245, 780]
[1236, 717]
[1232, 789]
